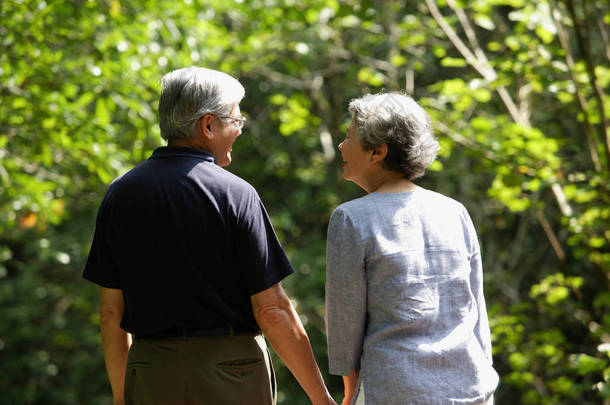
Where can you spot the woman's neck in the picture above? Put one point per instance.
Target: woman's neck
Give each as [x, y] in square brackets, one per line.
[389, 182]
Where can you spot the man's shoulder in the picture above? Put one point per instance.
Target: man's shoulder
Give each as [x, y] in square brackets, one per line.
[221, 179]
[203, 171]
[126, 183]
[136, 171]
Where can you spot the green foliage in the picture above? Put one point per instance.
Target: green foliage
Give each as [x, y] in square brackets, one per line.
[523, 146]
[537, 343]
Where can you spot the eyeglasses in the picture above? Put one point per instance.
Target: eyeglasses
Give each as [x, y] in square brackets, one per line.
[239, 122]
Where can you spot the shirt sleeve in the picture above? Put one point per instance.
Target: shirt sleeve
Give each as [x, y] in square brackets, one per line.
[481, 329]
[261, 256]
[101, 267]
[345, 295]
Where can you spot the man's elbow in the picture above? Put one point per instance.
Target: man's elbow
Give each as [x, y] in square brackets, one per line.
[271, 317]
[110, 315]
[273, 311]
[274, 315]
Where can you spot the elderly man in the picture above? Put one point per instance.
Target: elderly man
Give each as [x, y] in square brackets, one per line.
[189, 265]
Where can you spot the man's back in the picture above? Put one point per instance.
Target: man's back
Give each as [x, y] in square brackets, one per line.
[184, 252]
[174, 229]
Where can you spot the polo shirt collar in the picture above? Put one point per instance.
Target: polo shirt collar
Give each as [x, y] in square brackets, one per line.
[173, 151]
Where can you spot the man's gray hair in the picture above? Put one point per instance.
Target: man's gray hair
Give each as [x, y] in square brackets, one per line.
[400, 122]
[188, 94]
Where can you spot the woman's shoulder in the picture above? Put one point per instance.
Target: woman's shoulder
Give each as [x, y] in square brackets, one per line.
[377, 201]
[436, 200]
[356, 207]
[371, 209]
[436, 208]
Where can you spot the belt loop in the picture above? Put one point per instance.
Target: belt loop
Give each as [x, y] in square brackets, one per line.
[231, 332]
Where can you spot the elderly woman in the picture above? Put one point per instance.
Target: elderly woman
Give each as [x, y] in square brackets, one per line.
[406, 316]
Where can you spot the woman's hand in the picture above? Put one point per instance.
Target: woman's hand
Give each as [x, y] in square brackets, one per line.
[349, 386]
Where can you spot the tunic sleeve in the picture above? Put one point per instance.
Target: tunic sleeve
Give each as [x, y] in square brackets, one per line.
[481, 329]
[345, 295]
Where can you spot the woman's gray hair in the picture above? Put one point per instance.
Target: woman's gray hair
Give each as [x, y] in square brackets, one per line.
[398, 121]
[188, 94]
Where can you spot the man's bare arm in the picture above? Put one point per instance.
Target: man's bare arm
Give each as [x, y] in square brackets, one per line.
[282, 327]
[115, 340]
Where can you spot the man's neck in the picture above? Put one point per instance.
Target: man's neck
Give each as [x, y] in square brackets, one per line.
[194, 142]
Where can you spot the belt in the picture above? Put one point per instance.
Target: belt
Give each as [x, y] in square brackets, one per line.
[185, 333]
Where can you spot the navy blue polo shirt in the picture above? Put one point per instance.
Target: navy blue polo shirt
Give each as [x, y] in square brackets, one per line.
[187, 242]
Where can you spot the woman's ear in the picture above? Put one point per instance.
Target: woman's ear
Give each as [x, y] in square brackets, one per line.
[379, 152]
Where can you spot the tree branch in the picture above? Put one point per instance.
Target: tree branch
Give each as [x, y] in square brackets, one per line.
[282, 78]
[480, 65]
[582, 103]
[487, 71]
[465, 23]
[550, 234]
[392, 39]
[351, 56]
[484, 70]
[467, 142]
[585, 47]
[602, 30]
[410, 80]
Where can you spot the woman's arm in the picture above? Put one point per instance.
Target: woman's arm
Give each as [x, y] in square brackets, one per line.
[481, 330]
[346, 294]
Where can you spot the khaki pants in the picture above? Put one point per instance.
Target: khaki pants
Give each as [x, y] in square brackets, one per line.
[231, 370]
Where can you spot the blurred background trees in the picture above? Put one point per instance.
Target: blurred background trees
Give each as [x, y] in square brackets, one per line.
[516, 92]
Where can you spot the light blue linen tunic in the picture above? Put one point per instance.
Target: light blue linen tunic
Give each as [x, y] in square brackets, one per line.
[404, 300]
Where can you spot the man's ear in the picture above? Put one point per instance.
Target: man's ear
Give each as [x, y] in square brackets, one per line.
[204, 126]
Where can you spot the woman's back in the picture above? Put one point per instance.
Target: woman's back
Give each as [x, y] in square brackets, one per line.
[412, 263]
